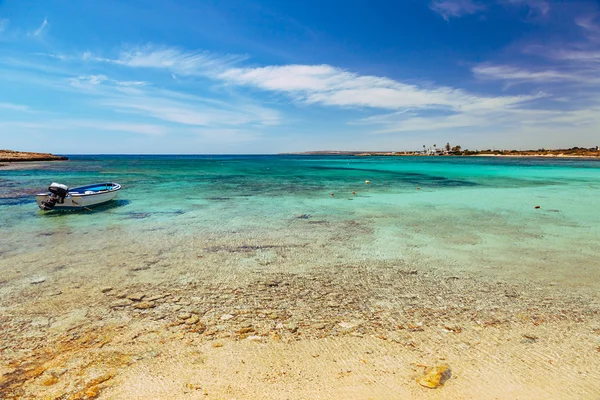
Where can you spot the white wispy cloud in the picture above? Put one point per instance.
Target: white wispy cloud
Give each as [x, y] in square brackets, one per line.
[332, 86]
[571, 63]
[91, 80]
[521, 74]
[3, 24]
[591, 26]
[173, 59]
[459, 8]
[142, 99]
[41, 28]
[569, 70]
[193, 114]
[416, 108]
[504, 120]
[455, 8]
[52, 55]
[15, 107]
[536, 7]
[577, 55]
[93, 124]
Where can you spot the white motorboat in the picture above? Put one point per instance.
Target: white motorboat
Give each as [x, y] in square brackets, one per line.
[60, 197]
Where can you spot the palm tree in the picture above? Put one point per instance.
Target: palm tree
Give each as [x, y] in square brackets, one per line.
[424, 147]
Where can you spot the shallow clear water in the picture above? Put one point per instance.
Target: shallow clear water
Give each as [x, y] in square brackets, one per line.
[472, 214]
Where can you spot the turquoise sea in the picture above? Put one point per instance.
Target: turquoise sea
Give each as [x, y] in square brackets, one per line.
[474, 214]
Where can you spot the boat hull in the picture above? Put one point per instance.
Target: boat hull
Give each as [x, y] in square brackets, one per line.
[84, 199]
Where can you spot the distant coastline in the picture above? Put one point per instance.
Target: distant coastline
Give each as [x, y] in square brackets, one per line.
[22, 156]
[574, 152]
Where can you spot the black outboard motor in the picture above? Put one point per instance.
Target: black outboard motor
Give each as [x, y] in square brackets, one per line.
[58, 194]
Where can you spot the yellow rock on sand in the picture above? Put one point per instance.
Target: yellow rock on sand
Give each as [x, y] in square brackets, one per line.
[435, 376]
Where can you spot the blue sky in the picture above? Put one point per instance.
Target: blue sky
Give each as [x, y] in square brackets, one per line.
[275, 76]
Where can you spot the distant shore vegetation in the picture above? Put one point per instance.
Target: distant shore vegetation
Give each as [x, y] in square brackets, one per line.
[457, 150]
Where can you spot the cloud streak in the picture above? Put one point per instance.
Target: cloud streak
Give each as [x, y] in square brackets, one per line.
[192, 114]
[173, 59]
[41, 28]
[524, 75]
[327, 85]
[91, 80]
[536, 7]
[460, 8]
[416, 108]
[15, 107]
[93, 124]
[455, 8]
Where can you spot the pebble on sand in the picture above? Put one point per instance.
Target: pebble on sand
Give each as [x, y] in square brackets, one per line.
[435, 376]
[144, 305]
[136, 296]
[184, 315]
[120, 303]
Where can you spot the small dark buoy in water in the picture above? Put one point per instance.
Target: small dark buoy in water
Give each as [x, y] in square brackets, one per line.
[537, 207]
[353, 192]
[332, 194]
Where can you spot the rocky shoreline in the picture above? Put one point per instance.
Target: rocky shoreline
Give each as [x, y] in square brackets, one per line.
[22, 156]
